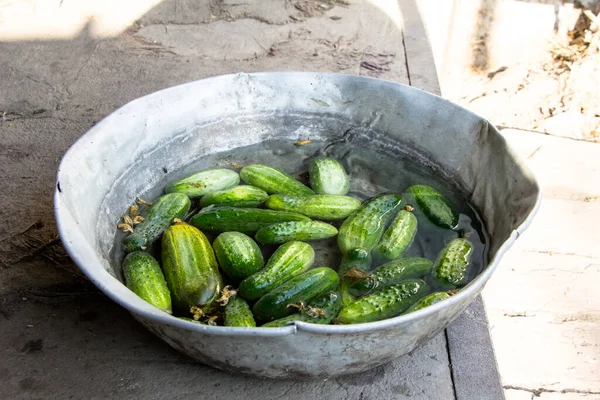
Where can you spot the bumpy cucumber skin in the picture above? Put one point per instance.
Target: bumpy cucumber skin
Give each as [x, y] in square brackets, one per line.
[330, 304]
[384, 304]
[434, 205]
[300, 288]
[320, 206]
[238, 254]
[204, 182]
[390, 274]
[304, 231]
[398, 237]
[328, 176]
[278, 323]
[289, 260]
[359, 258]
[427, 301]
[245, 220]
[144, 277]
[158, 218]
[272, 180]
[190, 268]
[364, 227]
[238, 196]
[451, 266]
[238, 313]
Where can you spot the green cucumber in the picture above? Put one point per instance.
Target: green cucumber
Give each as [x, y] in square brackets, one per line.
[204, 182]
[434, 205]
[190, 268]
[359, 258]
[304, 231]
[428, 300]
[319, 206]
[272, 180]
[344, 291]
[144, 277]
[451, 266]
[192, 320]
[390, 274]
[384, 304]
[355, 258]
[239, 256]
[398, 237]
[279, 302]
[158, 218]
[364, 228]
[328, 176]
[239, 196]
[245, 220]
[320, 310]
[238, 313]
[289, 260]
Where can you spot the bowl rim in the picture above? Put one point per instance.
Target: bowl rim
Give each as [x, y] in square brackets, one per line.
[137, 306]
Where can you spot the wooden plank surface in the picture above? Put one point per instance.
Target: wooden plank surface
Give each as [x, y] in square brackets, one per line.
[420, 63]
[63, 338]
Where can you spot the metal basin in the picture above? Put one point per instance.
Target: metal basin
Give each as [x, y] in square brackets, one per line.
[135, 149]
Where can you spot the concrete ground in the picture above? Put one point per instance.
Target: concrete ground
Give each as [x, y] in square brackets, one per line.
[498, 58]
[543, 301]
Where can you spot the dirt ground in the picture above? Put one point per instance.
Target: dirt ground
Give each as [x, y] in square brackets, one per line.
[528, 65]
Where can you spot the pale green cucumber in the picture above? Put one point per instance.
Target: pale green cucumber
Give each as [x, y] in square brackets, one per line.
[304, 231]
[328, 176]
[204, 182]
[273, 180]
[323, 207]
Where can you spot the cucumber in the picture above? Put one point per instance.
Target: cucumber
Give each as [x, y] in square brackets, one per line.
[451, 266]
[301, 288]
[192, 320]
[427, 301]
[328, 176]
[320, 310]
[272, 180]
[319, 206]
[158, 218]
[355, 258]
[239, 256]
[398, 237]
[434, 205]
[289, 260]
[390, 274]
[190, 268]
[144, 277]
[344, 291]
[245, 220]
[304, 231]
[384, 304]
[204, 182]
[364, 228]
[238, 313]
[239, 196]
[359, 258]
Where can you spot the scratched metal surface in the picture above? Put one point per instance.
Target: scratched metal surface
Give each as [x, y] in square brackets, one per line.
[125, 155]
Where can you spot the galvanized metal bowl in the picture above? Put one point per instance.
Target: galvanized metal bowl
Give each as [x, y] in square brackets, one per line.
[131, 151]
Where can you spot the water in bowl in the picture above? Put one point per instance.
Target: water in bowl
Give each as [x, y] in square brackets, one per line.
[372, 169]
